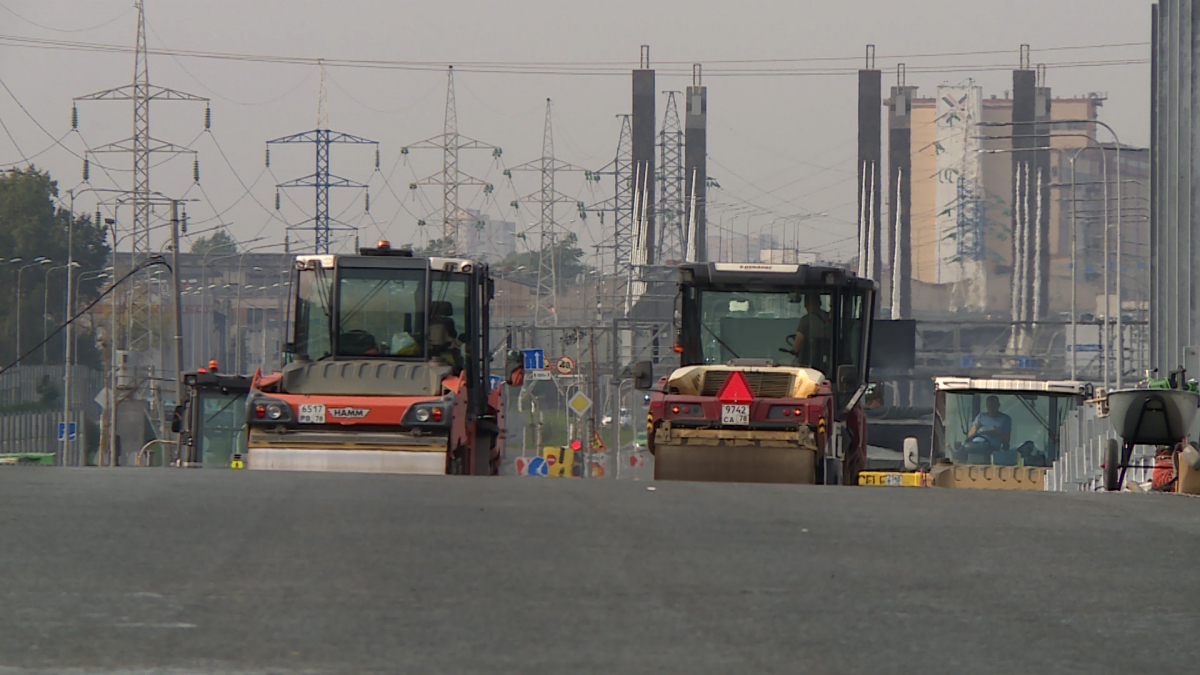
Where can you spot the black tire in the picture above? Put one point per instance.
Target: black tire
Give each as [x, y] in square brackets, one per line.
[1112, 465]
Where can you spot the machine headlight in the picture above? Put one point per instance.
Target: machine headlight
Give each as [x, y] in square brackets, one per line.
[422, 414]
[274, 411]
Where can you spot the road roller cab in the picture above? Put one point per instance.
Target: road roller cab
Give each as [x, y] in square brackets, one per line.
[773, 368]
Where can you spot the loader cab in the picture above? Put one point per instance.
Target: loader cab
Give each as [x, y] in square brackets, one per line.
[211, 420]
[1002, 422]
[388, 305]
[782, 315]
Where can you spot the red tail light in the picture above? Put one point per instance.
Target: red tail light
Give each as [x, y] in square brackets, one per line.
[437, 414]
[260, 411]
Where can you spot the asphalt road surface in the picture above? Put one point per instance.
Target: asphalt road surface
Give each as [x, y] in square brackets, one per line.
[166, 571]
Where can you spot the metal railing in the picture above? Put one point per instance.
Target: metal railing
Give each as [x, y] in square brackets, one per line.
[1080, 466]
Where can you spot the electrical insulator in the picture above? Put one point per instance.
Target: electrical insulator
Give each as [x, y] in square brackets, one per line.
[268, 156]
[277, 200]
[376, 158]
[74, 117]
[86, 169]
[97, 221]
[196, 171]
[367, 205]
[183, 223]
[207, 117]
[287, 244]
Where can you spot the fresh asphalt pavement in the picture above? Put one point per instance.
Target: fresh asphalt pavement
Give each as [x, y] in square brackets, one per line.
[166, 571]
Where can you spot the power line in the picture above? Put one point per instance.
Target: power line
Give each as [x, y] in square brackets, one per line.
[595, 68]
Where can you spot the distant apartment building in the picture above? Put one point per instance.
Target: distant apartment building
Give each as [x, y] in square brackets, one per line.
[485, 237]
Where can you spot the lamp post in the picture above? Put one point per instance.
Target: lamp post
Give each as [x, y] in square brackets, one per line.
[14, 261]
[40, 260]
[46, 304]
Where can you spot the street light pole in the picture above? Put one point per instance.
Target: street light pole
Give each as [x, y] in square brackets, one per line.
[36, 261]
[66, 446]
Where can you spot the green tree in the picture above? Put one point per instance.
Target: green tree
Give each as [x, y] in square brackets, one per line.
[34, 222]
[217, 242]
[567, 256]
[442, 246]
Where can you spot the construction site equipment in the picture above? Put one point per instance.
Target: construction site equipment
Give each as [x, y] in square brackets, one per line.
[995, 434]
[1159, 413]
[388, 370]
[211, 420]
[774, 363]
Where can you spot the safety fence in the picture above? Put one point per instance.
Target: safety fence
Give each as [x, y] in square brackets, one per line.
[1080, 466]
[24, 433]
[24, 384]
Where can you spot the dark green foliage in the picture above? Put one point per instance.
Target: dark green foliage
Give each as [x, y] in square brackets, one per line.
[34, 221]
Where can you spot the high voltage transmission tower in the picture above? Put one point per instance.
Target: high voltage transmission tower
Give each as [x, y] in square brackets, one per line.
[671, 205]
[141, 146]
[322, 180]
[548, 197]
[621, 203]
[451, 177]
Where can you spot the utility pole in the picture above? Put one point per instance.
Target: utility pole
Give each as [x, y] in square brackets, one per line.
[321, 180]
[451, 177]
[177, 295]
[66, 442]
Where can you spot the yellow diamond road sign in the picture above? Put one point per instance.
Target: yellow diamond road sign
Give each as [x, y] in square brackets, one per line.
[580, 404]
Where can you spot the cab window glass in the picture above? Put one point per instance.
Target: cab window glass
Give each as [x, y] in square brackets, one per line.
[381, 312]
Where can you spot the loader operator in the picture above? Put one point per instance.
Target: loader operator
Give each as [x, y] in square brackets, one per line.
[991, 427]
[810, 344]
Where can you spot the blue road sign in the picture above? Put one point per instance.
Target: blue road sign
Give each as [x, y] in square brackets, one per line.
[535, 359]
[1027, 362]
[70, 431]
[537, 467]
[494, 381]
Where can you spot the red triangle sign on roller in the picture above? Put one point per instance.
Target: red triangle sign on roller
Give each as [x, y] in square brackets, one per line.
[736, 389]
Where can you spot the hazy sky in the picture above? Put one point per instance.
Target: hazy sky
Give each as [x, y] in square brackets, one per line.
[781, 136]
